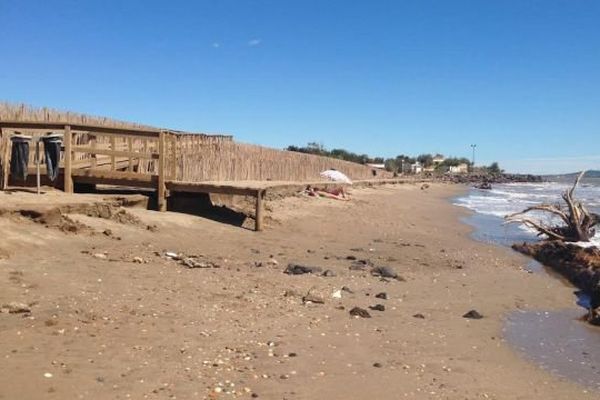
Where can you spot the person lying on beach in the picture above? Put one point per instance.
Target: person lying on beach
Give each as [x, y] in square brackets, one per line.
[334, 193]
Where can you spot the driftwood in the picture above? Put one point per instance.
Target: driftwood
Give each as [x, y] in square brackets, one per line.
[578, 224]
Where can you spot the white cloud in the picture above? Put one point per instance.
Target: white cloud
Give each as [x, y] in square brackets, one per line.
[216, 45]
[254, 42]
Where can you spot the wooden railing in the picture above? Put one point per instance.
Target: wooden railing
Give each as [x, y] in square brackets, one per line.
[101, 154]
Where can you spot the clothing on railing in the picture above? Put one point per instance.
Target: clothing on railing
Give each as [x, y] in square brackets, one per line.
[52, 145]
[20, 156]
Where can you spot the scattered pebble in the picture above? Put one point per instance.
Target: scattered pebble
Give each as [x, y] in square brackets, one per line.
[473, 314]
[360, 312]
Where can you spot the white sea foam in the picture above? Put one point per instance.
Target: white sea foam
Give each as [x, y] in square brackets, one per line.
[506, 199]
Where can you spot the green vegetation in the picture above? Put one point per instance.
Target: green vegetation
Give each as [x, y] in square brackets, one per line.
[400, 163]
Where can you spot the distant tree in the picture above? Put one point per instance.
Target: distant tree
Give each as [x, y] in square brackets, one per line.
[454, 161]
[425, 159]
[494, 168]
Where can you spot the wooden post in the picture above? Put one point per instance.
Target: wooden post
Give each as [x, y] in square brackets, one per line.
[173, 166]
[130, 149]
[94, 156]
[161, 192]
[37, 165]
[68, 138]
[258, 222]
[5, 158]
[113, 159]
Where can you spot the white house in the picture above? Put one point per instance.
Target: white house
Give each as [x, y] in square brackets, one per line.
[416, 168]
[376, 166]
[459, 169]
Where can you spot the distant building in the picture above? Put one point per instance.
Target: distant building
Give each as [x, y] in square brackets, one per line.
[459, 169]
[437, 160]
[416, 168]
[376, 166]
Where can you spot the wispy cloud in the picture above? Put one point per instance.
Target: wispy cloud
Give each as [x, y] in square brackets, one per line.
[254, 42]
[216, 45]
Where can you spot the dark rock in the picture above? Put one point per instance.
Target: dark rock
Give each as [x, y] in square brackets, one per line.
[473, 314]
[351, 258]
[16, 308]
[292, 355]
[347, 289]
[377, 365]
[357, 249]
[298, 269]
[384, 272]
[424, 186]
[360, 312]
[360, 265]
[329, 273]
[382, 295]
[313, 299]
[419, 315]
[377, 307]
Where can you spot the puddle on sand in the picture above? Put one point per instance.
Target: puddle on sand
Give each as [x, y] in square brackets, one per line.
[558, 342]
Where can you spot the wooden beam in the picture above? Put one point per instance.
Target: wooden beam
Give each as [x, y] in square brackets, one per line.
[68, 142]
[118, 178]
[80, 127]
[161, 189]
[198, 187]
[114, 153]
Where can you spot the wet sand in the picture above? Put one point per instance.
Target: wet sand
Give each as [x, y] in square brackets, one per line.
[111, 317]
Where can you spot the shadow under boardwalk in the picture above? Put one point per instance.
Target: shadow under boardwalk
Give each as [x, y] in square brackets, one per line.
[200, 204]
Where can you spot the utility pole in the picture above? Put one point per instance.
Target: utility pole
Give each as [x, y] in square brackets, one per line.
[473, 157]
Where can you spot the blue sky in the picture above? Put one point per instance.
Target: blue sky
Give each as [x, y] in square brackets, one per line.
[520, 78]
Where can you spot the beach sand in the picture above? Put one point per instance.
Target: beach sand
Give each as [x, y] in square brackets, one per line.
[113, 318]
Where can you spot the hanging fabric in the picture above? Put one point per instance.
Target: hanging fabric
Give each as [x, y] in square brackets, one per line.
[52, 145]
[20, 156]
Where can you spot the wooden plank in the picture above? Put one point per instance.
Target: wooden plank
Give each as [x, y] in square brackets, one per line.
[198, 187]
[114, 153]
[118, 178]
[80, 127]
[107, 174]
[68, 141]
[161, 189]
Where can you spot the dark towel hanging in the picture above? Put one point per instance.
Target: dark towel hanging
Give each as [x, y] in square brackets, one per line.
[52, 145]
[19, 157]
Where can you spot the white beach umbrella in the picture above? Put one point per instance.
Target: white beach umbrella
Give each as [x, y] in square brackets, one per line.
[336, 176]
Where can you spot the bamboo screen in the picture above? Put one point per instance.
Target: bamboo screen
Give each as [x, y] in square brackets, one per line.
[219, 158]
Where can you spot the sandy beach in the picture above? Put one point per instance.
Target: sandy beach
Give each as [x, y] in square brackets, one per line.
[112, 317]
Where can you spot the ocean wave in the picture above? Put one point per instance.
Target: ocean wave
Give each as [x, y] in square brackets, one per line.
[507, 199]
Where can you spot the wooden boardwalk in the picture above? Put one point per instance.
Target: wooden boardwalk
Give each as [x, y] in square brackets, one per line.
[132, 157]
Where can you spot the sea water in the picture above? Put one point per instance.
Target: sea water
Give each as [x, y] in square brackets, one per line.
[558, 341]
[491, 206]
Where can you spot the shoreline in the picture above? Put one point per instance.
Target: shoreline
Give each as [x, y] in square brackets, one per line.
[193, 332]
